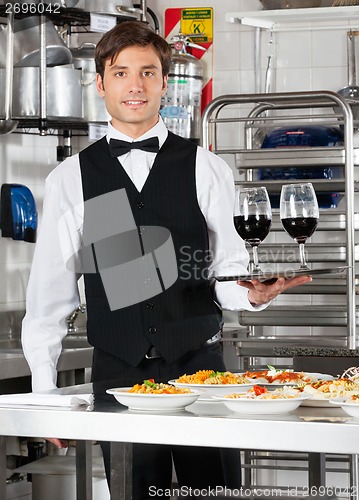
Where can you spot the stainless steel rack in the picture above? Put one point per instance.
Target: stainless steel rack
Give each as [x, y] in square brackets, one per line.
[268, 111]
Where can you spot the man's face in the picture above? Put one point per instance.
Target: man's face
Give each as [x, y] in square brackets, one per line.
[132, 88]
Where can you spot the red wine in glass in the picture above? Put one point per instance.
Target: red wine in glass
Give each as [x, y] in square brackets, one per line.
[299, 213]
[252, 229]
[300, 228]
[253, 218]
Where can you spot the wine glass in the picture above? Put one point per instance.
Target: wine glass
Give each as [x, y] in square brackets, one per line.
[253, 218]
[299, 214]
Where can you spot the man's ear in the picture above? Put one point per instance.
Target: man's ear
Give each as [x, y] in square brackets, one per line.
[99, 85]
[164, 85]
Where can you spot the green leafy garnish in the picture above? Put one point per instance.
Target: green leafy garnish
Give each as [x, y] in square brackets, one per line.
[216, 374]
[271, 367]
[149, 383]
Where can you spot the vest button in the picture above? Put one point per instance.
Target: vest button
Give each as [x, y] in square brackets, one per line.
[140, 204]
[150, 305]
[152, 329]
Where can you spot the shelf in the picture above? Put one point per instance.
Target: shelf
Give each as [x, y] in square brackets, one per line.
[330, 316]
[56, 124]
[320, 185]
[278, 253]
[292, 157]
[276, 19]
[248, 161]
[265, 346]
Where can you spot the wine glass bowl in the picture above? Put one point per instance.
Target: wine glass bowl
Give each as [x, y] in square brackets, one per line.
[299, 214]
[253, 218]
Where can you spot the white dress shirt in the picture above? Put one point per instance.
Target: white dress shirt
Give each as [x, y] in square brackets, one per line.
[52, 292]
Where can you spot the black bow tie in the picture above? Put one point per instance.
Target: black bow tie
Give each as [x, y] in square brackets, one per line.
[118, 148]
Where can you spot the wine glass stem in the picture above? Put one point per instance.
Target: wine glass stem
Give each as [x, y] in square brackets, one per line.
[256, 267]
[303, 263]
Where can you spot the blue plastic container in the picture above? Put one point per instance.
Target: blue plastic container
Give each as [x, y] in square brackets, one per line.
[18, 213]
[299, 137]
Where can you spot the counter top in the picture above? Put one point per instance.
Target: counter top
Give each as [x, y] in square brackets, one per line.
[316, 351]
[308, 429]
[13, 363]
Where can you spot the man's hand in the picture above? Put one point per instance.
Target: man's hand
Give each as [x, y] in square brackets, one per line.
[261, 293]
[60, 443]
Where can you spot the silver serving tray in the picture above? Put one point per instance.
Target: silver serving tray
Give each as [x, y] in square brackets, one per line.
[271, 277]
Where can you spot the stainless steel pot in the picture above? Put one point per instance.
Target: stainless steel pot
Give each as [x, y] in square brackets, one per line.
[122, 8]
[27, 44]
[93, 106]
[64, 93]
[7, 124]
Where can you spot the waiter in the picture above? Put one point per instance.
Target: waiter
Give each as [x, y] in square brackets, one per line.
[170, 184]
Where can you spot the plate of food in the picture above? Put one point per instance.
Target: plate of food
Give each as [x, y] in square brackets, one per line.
[277, 377]
[322, 391]
[350, 404]
[152, 396]
[259, 400]
[210, 382]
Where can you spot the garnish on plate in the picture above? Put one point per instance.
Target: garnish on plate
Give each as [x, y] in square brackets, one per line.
[149, 386]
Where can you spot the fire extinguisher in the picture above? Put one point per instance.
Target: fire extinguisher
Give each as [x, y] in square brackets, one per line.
[181, 105]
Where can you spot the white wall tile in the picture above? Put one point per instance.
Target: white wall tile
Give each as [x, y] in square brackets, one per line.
[226, 82]
[293, 80]
[10, 276]
[246, 50]
[220, 23]
[247, 82]
[8, 251]
[293, 50]
[329, 48]
[226, 53]
[250, 5]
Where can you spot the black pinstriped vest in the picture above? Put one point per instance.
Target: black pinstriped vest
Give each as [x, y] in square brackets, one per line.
[182, 317]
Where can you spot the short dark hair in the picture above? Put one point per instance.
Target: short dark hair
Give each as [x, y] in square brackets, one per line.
[131, 34]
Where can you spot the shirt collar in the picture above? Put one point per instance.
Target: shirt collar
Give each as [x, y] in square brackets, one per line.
[159, 130]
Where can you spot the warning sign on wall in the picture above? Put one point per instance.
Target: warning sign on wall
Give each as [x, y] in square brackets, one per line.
[199, 23]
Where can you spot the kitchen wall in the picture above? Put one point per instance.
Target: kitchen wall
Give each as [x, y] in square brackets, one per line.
[303, 60]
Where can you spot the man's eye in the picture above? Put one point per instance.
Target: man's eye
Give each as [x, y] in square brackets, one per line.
[120, 73]
[148, 73]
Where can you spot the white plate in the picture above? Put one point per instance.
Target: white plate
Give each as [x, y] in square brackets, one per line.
[247, 406]
[153, 402]
[211, 389]
[351, 409]
[317, 403]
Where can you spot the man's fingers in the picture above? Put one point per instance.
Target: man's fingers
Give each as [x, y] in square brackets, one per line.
[301, 280]
[60, 443]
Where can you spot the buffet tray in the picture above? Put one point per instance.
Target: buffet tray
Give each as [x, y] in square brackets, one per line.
[271, 277]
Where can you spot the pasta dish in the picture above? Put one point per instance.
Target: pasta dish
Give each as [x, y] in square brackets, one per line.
[260, 392]
[274, 376]
[211, 377]
[329, 389]
[151, 387]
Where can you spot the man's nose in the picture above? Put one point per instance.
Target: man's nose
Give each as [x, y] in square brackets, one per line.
[135, 83]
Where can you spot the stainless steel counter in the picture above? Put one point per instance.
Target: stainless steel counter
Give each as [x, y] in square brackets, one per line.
[14, 365]
[318, 430]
